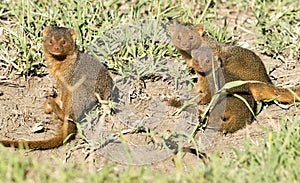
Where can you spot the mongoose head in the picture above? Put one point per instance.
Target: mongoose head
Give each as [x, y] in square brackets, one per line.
[59, 41]
[204, 59]
[184, 37]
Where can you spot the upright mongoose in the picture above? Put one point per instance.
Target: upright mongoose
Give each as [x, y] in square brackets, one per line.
[228, 112]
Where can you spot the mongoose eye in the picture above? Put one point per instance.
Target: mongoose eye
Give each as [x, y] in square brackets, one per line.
[191, 37]
[207, 61]
[63, 42]
[50, 41]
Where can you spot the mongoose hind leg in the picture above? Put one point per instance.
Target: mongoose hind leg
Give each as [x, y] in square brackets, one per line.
[232, 122]
[231, 113]
[237, 115]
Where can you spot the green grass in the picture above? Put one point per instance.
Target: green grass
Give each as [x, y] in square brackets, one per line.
[274, 160]
[278, 24]
[277, 29]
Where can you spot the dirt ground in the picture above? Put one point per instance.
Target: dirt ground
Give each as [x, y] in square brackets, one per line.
[22, 115]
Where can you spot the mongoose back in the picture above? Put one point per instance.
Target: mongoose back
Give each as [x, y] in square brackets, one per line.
[79, 77]
[248, 66]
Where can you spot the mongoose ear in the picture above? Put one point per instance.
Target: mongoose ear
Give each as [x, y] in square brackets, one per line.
[73, 33]
[45, 31]
[199, 28]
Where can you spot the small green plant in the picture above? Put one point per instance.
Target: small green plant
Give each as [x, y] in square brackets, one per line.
[277, 23]
[220, 33]
[24, 21]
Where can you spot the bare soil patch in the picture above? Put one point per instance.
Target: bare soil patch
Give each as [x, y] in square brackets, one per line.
[22, 117]
[21, 109]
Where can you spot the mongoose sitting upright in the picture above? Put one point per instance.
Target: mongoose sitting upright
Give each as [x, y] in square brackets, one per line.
[204, 63]
[239, 61]
[228, 113]
[79, 78]
[186, 38]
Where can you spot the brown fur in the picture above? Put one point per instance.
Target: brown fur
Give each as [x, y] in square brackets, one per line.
[239, 61]
[228, 113]
[228, 63]
[70, 68]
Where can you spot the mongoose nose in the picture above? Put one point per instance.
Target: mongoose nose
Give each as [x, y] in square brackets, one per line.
[184, 44]
[56, 48]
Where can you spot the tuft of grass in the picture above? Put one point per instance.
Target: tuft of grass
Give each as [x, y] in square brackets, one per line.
[128, 48]
[218, 29]
[278, 26]
[274, 160]
[220, 33]
[22, 23]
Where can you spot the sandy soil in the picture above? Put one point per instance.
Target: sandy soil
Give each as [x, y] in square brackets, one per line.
[22, 115]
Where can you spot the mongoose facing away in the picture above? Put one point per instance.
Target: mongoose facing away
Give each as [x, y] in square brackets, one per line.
[230, 113]
[79, 78]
